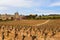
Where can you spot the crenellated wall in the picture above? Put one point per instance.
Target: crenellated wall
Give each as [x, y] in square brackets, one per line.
[16, 16]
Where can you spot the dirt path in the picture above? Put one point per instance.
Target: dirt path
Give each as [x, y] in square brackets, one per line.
[42, 23]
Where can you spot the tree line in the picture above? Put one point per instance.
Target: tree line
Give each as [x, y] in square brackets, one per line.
[51, 16]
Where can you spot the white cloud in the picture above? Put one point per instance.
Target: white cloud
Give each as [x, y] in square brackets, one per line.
[40, 11]
[44, 11]
[3, 8]
[19, 3]
[51, 13]
[55, 4]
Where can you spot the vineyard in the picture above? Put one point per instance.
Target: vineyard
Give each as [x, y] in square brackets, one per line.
[28, 30]
[23, 22]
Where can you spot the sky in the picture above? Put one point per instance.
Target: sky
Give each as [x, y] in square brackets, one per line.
[25, 7]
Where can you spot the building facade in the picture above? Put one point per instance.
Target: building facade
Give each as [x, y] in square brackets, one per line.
[16, 16]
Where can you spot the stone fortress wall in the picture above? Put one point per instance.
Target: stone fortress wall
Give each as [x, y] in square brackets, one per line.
[9, 17]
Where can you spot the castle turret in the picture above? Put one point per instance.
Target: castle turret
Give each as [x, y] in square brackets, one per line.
[4, 17]
[17, 17]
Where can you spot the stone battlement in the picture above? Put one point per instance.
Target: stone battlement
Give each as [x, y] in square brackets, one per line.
[16, 16]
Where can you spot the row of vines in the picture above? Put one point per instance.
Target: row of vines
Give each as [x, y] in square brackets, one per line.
[49, 31]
